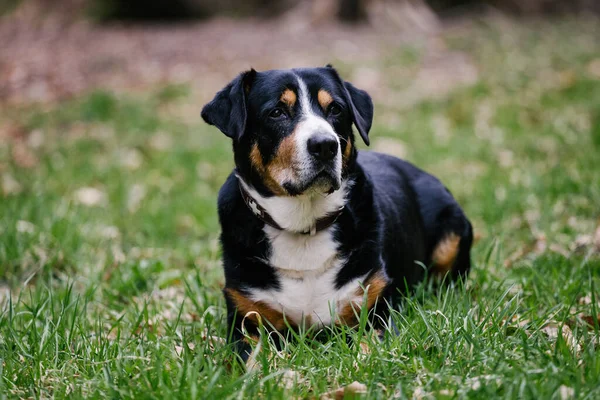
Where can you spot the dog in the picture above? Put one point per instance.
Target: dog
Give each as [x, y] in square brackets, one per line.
[313, 230]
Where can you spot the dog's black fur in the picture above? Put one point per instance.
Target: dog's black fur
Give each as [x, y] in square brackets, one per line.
[395, 215]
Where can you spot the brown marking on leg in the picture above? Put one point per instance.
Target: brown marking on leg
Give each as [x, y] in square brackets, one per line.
[444, 254]
[248, 308]
[324, 98]
[374, 286]
[288, 97]
[256, 161]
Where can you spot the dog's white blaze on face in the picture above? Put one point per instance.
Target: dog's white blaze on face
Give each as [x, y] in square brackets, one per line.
[309, 125]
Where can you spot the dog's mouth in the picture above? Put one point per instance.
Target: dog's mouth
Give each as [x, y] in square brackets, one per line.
[325, 181]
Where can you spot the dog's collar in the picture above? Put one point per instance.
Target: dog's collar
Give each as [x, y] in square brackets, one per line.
[319, 225]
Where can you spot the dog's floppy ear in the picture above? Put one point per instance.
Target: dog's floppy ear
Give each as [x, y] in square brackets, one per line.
[361, 106]
[227, 111]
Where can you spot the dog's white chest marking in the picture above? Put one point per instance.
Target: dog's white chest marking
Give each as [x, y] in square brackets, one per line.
[307, 267]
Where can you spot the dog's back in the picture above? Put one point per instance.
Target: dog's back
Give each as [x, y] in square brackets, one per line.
[411, 200]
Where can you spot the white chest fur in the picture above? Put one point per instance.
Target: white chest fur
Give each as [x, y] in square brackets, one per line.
[307, 267]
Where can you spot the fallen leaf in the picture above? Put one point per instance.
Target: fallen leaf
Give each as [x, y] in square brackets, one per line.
[136, 194]
[10, 185]
[566, 392]
[585, 300]
[582, 242]
[591, 320]
[252, 364]
[559, 250]
[364, 348]
[23, 156]
[90, 196]
[109, 232]
[552, 330]
[540, 245]
[290, 379]
[160, 141]
[214, 341]
[131, 159]
[345, 391]
[5, 293]
[25, 227]
[419, 393]
[594, 68]
[179, 349]
[477, 382]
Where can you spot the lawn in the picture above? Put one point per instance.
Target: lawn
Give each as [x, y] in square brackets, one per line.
[110, 278]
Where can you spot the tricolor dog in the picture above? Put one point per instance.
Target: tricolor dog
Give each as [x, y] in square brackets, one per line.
[313, 229]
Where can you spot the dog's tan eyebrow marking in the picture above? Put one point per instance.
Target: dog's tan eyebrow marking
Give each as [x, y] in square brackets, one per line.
[288, 97]
[324, 98]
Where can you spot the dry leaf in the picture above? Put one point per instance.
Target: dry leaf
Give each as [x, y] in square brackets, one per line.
[23, 156]
[25, 227]
[179, 349]
[4, 293]
[345, 391]
[90, 196]
[585, 300]
[594, 68]
[290, 379]
[252, 364]
[214, 341]
[552, 330]
[540, 244]
[566, 392]
[160, 141]
[10, 185]
[419, 393]
[591, 320]
[131, 159]
[135, 196]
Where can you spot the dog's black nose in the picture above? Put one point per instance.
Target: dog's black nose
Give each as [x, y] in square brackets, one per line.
[323, 147]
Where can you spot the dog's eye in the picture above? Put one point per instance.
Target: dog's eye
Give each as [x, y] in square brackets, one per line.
[335, 110]
[276, 113]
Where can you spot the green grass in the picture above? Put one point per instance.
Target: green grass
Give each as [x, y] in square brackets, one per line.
[114, 290]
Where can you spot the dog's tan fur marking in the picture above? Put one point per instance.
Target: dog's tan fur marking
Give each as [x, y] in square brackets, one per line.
[279, 167]
[288, 97]
[445, 253]
[266, 172]
[247, 307]
[324, 98]
[374, 287]
[347, 154]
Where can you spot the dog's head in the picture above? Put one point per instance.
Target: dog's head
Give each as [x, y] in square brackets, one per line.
[292, 129]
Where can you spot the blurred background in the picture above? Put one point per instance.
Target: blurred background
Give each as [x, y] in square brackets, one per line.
[53, 49]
